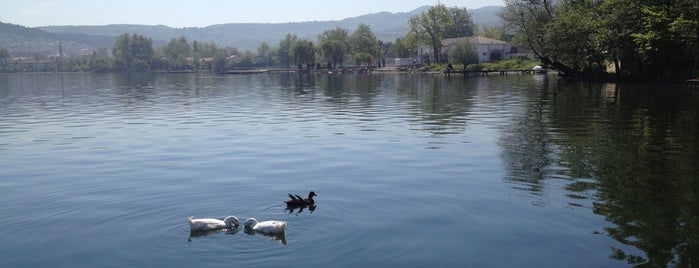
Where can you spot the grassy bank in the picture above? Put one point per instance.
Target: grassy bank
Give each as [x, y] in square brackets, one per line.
[519, 63]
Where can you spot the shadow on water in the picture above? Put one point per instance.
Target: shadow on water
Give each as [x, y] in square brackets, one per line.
[629, 153]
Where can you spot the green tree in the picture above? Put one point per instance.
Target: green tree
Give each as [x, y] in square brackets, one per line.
[334, 45]
[127, 48]
[221, 63]
[284, 52]
[363, 58]
[464, 52]
[495, 32]
[264, 50]
[644, 39]
[303, 52]
[142, 48]
[440, 22]
[405, 47]
[669, 38]
[139, 65]
[99, 61]
[122, 52]
[177, 52]
[460, 23]
[4, 55]
[363, 40]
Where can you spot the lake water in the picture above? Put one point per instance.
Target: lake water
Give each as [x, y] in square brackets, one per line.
[411, 170]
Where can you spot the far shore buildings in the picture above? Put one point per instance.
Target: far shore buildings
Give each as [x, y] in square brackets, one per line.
[488, 49]
[26, 64]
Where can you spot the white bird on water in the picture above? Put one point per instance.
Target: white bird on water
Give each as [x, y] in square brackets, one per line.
[208, 224]
[266, 227]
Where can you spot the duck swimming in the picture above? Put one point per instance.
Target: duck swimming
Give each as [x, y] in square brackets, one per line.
[296, 200]
[265, 227]
[208, 224]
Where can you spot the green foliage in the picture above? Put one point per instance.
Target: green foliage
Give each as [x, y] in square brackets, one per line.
[517, 63]
[264, 50]
[334, 45]
[460, 23]
[363, 59]
[643, 39]
[99, 61]
[440, 22]
[364, 41]
[303, 52]
[284, 52]
[220, 61]
[495, 32]
[139, 65]
[177, 51]
[404, 47]
[4, 56]
[246, 60]
[464, 52]
[128, 48]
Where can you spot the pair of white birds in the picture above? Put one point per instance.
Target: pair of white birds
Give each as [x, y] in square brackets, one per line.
[209, 224]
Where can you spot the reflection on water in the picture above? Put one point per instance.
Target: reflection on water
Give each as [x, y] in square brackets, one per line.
[272, 237]
[545, 172]
[292, 210]
[632, 151]
[197, 234]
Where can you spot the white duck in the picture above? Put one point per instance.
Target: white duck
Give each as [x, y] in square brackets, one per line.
[266, 227]
[208, 224]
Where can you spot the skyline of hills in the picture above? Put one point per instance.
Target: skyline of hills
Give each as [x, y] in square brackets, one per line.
[25, 41]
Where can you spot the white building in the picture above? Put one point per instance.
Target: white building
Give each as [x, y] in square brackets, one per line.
[488, 49]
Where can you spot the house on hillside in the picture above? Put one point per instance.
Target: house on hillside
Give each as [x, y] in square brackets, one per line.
[488, 49]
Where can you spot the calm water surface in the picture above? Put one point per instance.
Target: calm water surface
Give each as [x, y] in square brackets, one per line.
[410, 170]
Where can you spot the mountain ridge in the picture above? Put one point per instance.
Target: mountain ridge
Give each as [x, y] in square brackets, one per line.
[386, 26]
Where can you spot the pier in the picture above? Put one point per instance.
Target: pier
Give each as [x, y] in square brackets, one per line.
[448, 73]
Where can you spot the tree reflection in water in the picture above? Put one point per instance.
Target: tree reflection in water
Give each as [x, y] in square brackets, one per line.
[633, 150]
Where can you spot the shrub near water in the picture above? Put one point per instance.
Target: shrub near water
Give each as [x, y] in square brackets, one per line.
[519, 63]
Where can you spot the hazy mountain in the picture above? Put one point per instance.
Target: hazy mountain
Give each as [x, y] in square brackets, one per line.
[387, 27]
[26, 42]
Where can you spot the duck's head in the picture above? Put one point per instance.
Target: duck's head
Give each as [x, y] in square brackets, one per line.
[311, 194]
[249, 223]
[231, 221]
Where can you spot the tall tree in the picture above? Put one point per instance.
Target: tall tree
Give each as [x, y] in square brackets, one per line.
[4, 55]
[122, 52]
[263, 50]
[99, 62]
[460, 23]
[334, 45]
[131, 50]
[364, 41]
[644, 39]
[440, 22]
[303, 52]
[405, 47]
[285, 54]
[177, 51]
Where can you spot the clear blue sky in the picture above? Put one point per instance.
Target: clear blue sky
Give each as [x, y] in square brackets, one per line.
[189, 13]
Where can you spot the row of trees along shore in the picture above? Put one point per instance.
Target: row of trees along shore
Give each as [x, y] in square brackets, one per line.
[333, 48]
[634, 39]
[622, 39]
